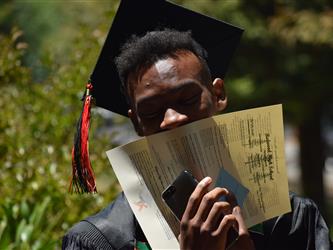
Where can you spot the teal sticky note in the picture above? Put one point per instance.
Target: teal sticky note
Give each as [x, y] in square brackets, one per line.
[227, 181]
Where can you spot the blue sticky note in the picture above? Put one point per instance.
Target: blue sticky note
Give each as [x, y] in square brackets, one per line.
[227, 181]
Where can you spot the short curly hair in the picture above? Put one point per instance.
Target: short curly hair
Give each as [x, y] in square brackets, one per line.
[141, 52]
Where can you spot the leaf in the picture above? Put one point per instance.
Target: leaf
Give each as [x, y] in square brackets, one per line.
[24, 209]
[20, 229]
[39, 212]
[5, 238]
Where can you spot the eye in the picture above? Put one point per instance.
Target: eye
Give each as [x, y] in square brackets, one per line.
[193, 99]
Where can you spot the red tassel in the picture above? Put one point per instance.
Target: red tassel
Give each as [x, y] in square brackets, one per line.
[83, 176]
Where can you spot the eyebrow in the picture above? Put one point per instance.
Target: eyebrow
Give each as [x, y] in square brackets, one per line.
[181, 86]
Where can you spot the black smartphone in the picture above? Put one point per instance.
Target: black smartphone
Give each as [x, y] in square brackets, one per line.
[176, 195]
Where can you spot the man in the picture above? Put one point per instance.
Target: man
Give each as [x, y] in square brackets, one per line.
[167, 82]
[168, 87]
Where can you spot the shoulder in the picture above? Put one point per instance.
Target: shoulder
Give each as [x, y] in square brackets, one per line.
[302, 228]
[84, 235]
[112, 228]
[299, 202]
[305, 210]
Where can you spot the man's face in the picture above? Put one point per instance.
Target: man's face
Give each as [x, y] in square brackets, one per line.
[172, 93]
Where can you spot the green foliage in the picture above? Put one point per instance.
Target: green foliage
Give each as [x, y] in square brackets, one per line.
[26, 226]
[37, 125]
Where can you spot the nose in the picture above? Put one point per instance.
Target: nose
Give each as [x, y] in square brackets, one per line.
[173, 119]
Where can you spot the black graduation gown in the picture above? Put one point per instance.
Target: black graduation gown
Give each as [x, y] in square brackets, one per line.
[116, 228]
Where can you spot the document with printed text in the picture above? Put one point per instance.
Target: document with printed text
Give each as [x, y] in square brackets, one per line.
[247, 145]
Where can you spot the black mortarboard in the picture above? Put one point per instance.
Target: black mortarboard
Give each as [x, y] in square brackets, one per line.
[137, 17]
[140, 16]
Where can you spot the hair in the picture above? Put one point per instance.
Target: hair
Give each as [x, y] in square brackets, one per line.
[140, 53]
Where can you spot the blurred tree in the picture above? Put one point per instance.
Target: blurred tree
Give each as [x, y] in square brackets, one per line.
[285, 57]
[36, 132]
[51, 26]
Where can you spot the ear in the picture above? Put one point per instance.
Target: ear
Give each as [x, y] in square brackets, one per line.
[220, 94]
[135, 122]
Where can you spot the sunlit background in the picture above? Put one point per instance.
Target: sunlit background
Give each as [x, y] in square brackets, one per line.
[48, 50]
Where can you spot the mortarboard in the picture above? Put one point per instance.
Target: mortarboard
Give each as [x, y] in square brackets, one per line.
[137, 17]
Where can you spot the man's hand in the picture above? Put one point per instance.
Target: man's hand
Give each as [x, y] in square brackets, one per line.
[206, 220]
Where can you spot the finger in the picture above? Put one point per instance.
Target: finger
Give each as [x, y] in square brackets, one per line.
[231, 198]
[227, 222]
[244, 240]
[208, 201]
[242, 229]
[216, 215]
[195, 198]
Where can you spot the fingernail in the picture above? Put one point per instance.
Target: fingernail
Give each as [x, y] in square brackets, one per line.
[205, 181]
[236, 210]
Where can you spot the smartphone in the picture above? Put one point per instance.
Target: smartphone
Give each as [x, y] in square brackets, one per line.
[176, 195]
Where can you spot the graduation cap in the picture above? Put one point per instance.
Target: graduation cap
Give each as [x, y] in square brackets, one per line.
[137, 17]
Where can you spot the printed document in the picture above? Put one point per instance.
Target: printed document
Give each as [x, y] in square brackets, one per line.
[247, 145]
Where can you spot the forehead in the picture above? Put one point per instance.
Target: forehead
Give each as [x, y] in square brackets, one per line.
[182, 64]
[169, 71]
